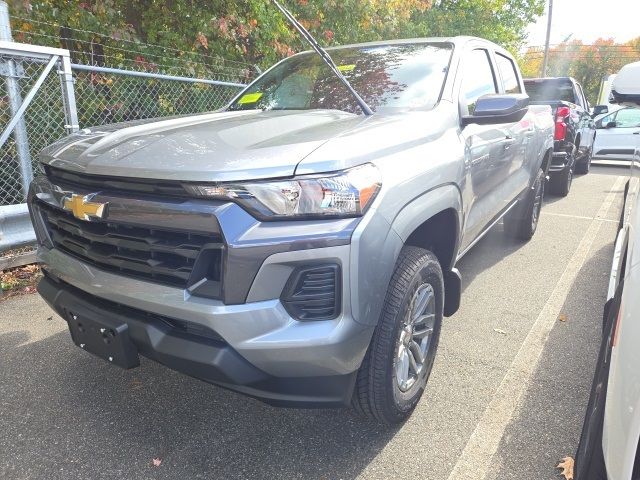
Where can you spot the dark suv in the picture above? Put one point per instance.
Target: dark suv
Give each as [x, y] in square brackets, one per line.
[575, 130]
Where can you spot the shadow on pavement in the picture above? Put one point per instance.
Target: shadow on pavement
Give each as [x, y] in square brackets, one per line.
[552, 410]
[66, 414]
[491, 249]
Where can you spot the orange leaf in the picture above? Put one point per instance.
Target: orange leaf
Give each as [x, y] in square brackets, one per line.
[567, 468]
[202, 40]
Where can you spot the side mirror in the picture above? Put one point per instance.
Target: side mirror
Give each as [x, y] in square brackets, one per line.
[611, 125]
[493, 109]
[599, 110]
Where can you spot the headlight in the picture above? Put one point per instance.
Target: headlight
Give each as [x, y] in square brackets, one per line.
[342, 194]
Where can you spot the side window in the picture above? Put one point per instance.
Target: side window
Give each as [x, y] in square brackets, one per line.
[477, 79]
[580, 96]
[606, 119]
[628, 118]
[509, 74]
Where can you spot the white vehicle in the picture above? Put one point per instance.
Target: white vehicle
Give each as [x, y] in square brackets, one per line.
[609, 446]
[617, 134]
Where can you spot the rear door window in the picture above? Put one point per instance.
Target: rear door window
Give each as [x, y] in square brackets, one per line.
[581, 100]
[508, 74]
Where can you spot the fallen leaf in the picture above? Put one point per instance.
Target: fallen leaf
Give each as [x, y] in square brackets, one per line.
[501, 332]
[49, 318]
[136, 383]
[567, 468]
[157, 461]
[562, 317]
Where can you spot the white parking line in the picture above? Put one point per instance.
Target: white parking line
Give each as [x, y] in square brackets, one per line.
[579, 217]
[476, 458]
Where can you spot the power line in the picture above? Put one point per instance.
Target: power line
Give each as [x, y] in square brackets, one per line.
[585, 45]
[136, 43]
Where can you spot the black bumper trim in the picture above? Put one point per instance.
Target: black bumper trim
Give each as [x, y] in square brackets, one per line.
[559, 162]
[207, 359]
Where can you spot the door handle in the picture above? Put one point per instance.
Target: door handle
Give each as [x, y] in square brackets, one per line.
[508, 140]
[636, 133]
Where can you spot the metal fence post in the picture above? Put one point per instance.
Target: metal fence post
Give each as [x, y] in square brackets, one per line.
[15, 101]
[68, 95]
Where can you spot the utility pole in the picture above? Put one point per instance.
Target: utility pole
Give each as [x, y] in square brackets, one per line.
[545, 61]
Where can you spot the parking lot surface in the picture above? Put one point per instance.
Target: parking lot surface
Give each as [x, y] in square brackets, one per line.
[506, 397]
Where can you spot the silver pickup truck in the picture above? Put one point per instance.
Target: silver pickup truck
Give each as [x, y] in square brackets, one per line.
[293, 246]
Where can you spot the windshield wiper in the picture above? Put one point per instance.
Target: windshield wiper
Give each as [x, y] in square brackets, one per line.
[325, 56]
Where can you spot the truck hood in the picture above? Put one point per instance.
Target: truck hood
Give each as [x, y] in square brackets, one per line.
[222, 146]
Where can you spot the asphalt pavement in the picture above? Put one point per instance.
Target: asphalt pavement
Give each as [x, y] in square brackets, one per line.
[506, 398]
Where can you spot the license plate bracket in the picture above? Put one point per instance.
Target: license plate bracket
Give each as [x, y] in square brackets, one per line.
[104, 337]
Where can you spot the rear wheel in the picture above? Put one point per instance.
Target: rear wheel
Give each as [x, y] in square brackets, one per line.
[522, 221]
[560, 183]
[584, 165]
[398, 363]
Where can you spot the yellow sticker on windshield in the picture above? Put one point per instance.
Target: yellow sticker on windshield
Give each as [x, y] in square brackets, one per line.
[250, 98]
[346, 68]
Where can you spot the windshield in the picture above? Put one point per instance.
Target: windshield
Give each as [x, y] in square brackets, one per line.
[550, 91]
[386, 77]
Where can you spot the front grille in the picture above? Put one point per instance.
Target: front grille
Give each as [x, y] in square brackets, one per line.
[313, 293]
[81, 181]
[152, 254]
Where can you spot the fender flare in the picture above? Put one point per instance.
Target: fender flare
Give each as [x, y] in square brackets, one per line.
[426, 206]
[369, 279]
[420, 210]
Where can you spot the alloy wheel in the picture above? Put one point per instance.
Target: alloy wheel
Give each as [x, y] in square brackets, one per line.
[537, 205]
[413, 350]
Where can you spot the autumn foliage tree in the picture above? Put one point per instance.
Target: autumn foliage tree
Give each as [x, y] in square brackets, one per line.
[253, 30]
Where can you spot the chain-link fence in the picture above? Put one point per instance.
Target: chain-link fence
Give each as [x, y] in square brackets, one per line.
[110, 95]
[116, 85]
[102, 97]
[43, 122]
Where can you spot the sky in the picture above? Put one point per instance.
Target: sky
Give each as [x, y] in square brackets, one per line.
[588, 20]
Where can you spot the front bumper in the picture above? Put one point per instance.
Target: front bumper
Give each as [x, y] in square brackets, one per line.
[261, 333]
[202, 356]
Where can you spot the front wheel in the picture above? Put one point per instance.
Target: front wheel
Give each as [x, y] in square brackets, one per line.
[398, 362]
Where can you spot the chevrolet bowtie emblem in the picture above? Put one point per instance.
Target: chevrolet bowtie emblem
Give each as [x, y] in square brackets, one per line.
[83, 208]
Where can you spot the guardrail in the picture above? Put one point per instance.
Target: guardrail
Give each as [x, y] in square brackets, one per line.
[16, 232]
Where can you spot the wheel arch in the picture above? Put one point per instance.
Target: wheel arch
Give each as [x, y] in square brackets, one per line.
[382, 238]
[433, 221]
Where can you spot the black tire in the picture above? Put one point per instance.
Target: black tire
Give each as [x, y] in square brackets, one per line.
[377, 393]
[522, 221]
[584, 165]
[560, 183]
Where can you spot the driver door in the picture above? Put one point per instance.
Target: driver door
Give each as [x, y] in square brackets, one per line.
[487, 155]
[619, 141]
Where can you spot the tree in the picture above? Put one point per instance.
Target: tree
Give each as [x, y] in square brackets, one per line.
[501, 21]
[253, 30]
